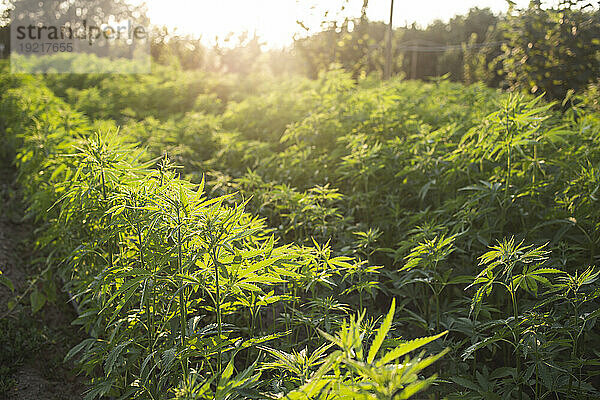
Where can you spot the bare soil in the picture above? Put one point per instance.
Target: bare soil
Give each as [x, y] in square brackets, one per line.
[33, 345]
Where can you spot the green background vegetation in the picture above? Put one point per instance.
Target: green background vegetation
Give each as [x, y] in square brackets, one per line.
[244, 233]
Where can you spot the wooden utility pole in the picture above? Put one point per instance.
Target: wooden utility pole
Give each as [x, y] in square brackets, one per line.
[333, 43]
[387, 71]
[413, 69]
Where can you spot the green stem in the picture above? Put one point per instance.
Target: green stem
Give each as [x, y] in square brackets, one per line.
[142, 266]
[517, 337]
[218, 308]
[182, 304]
[360, 300]
[437, 312]
[574, 351]
[508, 173]
[110, 253]
[537, 372]
[535, 163]
[104, 196]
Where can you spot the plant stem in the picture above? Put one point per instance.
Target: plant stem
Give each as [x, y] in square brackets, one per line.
[513, 296]
[508, 173]
[142, 266]
[110, 252]
[218, 308]
[575, 345]
[437, 312]
[537, 372]
[182, 305]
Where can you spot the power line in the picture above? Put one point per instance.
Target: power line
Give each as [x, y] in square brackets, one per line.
[437, 48]
[407, 46]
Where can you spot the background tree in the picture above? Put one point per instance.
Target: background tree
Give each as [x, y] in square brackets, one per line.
[551, 50]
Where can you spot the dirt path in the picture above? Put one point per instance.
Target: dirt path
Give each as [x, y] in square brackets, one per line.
[32, 347]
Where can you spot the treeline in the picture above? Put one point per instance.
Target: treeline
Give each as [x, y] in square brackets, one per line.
[538, 49]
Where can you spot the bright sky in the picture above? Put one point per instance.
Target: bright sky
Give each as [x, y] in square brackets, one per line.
[275, 20]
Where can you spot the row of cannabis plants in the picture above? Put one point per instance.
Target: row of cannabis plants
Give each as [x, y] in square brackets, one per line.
[480, 206]
[475, 209]
[182, 295]
[417, 181]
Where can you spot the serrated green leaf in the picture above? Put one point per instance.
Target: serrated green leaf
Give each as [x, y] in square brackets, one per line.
[381, 333]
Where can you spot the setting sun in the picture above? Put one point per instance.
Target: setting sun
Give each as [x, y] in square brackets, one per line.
[274, 21]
